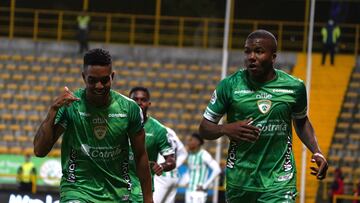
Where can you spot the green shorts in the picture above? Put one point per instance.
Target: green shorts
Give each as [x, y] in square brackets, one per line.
[286, 195]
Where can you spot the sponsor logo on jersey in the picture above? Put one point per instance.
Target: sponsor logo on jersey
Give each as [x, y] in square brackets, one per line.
[283, 127]
[287, 163]
[263, 95]
[84, 114]
[243, 92]
[283, 91]
[285, 177]
[213, 98]
[98, 120]
[100, 131]
[149, 134]
[264, 106]
[232, 155]
[72, 167]
[101, 152]
[117, 115]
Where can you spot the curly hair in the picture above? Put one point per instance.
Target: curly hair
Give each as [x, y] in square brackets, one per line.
[143, 89]
[97, 56]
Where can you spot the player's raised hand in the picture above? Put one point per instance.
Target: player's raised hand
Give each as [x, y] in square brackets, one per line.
[65, 98]
[322, 164]
[242, 131]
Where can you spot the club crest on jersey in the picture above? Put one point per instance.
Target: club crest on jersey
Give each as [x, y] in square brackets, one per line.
[100, 131]
[264, 106]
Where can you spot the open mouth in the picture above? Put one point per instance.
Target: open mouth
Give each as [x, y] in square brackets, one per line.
[252, 66]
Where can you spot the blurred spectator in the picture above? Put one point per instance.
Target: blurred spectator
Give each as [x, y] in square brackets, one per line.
[357, 193]
[83, 21]
[26, 176]
[330, 36]
[337, 186]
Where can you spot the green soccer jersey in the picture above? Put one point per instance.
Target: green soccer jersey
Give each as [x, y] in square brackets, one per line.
[95, 148]
[267, 164]
[156, 141]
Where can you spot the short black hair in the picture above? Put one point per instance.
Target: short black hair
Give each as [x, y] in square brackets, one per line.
[198, 137]
[140, 88]
[97, 56]
[263, 34]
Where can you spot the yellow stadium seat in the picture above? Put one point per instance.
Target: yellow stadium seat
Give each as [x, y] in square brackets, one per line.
[49, 69]
[3, 149]
[62, 69]
[29, 58]
[22, 138]
[24, 67]
[143, 64]
[42, 59]
[28, 151]
[67, 60]
[8, 138]
[55, 152]
[159, 84]
[36, 68]
[15, 150]
[55, 59]
[10, 67]
[18, 77]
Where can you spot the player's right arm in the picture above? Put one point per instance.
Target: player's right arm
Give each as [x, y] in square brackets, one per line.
[49, 132]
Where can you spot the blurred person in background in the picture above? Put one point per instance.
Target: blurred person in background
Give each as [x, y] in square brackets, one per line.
[26, 176]
[156, 142]
[261, 103]
[337, 186]
[83, 21]
[96, 124]
[199, 163]
[166, 184]
[330, 37]
[357, 193]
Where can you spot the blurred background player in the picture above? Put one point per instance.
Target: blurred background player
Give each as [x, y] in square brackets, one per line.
[199, 163]
[166, 184]
[26, 176]
[96, 124]
[156, 142]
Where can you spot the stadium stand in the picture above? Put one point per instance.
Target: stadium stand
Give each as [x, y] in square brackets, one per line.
[328, 88]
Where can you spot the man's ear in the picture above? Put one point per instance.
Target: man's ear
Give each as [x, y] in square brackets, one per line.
[273, 57]
[83, 76]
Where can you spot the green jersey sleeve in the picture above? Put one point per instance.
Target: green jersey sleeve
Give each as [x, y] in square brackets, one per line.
[164, 143]
[61, 117]
[219, 102]
[299, 109]
[136, 120]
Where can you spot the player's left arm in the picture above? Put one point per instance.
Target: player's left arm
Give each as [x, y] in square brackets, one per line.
[215, 168]
[306, 133]
[142, 164]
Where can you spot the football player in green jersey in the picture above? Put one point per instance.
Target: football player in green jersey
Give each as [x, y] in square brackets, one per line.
[156, 141]
[261, 103]
[97, 124]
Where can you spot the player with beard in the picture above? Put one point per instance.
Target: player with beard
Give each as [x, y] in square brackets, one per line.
[261, 103]
[156, 141]
[96, 124]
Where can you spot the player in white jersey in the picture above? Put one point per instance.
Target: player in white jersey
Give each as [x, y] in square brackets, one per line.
[166, 184]
[199, 162]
